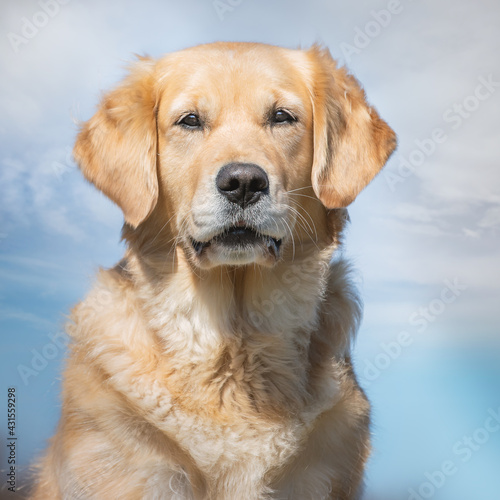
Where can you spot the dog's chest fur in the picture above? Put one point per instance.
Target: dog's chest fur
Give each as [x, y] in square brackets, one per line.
[237, 392]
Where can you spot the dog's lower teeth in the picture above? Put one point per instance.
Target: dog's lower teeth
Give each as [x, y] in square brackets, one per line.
[237, 237]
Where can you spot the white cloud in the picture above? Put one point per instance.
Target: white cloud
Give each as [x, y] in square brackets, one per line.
[426, 214]
[470, 233]
[12, 313]
[29, 262]
[490, 218]
[12, 191]
[51, 192]
[57, 221]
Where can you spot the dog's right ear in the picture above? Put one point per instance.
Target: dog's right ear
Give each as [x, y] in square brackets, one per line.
[116, 148]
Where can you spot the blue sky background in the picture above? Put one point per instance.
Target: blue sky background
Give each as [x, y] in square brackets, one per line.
[425, 240]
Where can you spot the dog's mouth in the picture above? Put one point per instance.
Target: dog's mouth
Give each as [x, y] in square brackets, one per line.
[239, 240]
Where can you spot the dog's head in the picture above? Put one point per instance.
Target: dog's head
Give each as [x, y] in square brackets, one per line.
[235, 152]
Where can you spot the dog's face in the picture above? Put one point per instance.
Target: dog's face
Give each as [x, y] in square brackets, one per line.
[235, 145]
[234, 151]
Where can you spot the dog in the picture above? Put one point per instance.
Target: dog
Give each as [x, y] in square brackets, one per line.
[213, 362]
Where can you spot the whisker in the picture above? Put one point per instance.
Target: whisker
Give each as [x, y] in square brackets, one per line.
[298, 189]
[314, 241]
[305, 196]
[301, 218]
[309, 215]
[291, 235]
[162, 228]
[297, 219]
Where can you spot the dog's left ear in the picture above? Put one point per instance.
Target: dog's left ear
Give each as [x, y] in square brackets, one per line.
[351, 142]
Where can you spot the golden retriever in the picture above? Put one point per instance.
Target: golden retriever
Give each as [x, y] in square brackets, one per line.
[213, 362]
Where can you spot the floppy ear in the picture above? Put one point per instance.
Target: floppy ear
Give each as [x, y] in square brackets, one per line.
[351, 142]
[116, 148]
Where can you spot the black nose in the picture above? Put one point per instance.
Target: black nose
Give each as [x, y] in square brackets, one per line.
[242, 183]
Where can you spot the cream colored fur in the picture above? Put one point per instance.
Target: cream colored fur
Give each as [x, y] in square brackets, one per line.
[190, 380]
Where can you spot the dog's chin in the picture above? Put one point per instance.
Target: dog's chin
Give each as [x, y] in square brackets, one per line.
[237, 246]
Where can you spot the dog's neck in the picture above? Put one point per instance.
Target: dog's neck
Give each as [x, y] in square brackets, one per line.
[234, 326]
[230, 300]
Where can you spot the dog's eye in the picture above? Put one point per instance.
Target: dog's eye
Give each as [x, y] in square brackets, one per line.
[190, 121]
[282, 116]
